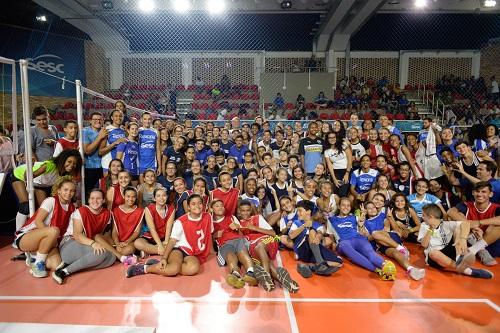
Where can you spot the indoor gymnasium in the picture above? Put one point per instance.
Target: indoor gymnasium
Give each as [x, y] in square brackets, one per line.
[249, 166]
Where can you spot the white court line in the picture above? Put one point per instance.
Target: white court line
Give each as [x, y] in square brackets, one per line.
[214, 300]
[289, 306]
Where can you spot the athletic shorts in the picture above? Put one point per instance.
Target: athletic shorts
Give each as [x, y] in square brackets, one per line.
[233, 246]
[395, 237]
[271, 247]
[150, 240]
[305, 254]
[448, 251]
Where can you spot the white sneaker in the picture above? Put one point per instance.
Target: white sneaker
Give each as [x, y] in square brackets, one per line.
[416, 273]
[486, 258]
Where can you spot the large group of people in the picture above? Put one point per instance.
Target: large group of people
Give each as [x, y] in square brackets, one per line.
[161, 195]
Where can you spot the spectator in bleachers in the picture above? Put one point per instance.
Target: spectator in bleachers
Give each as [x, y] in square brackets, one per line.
[120, 105]
[43, 135]
[494, 89]
[225, 84]
[199, 84]
[321, 101]
[279, 102]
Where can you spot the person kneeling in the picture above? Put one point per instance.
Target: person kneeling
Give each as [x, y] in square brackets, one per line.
[188, 246]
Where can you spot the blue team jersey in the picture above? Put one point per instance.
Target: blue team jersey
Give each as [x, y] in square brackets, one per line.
[114, 133]
[130, 151]
[363, 181]
[419, 204]
[147, 149]
[288, 219]
[302, 237]
[172, 155]
[345, 227]
[225, 147]
[375, 223]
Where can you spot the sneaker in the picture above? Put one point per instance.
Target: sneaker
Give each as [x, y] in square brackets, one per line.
[134, 270]
[38, 269]
[250, 279]
[486, 258]
[405, 252]
[220, 260]
[130, 260]
[235, 281]
[152, 261]
[464, 261]
[481, 273]
[304, 270]
[29, 259]
[264, 278]
[286, 280]
[416, 273]
[324, 269]
[59, 275]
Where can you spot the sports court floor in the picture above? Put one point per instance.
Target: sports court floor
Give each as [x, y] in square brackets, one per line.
[351, 300]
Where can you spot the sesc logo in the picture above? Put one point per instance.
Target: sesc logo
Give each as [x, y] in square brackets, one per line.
[51, 64]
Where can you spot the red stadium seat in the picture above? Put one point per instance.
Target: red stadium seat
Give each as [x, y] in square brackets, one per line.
[253, 87]
[408, 87]
[202, 116]
[310, 106]
[323, 116]
[59, 128]
[191, 87]
[254, 97]
[368, 116]
[204, 106]
[289, 106]
[245, 96]
[197, 96]
[335, 116]
[399, 116]
[212, 116]
[180, 87]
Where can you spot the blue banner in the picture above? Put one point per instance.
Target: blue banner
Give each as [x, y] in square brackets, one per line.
[48, 55]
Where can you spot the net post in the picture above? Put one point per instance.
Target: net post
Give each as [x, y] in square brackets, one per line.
[15, 139]
[28, 152]
[79, 117]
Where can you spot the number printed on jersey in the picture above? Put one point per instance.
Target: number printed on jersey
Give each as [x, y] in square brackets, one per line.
[201, 237]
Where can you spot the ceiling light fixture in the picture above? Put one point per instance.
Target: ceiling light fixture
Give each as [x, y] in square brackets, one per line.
[147, 6]
[216, 6]
[490, 3]
[420, 3]
[41, 18]
[285, 4]
[181, 6]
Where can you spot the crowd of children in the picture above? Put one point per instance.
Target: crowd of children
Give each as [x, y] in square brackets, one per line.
[329, 193]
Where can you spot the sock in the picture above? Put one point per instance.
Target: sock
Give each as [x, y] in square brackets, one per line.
[65, 271]
[317, 253]
[40, 257]
[409, 268]
[467, 271]
[146, 268]
[400, 247]
[236, 273]
[250, 270]
[480, 245]
[20, 220]
[122, 258]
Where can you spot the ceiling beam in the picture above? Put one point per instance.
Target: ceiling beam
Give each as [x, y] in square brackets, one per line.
[332, 20]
